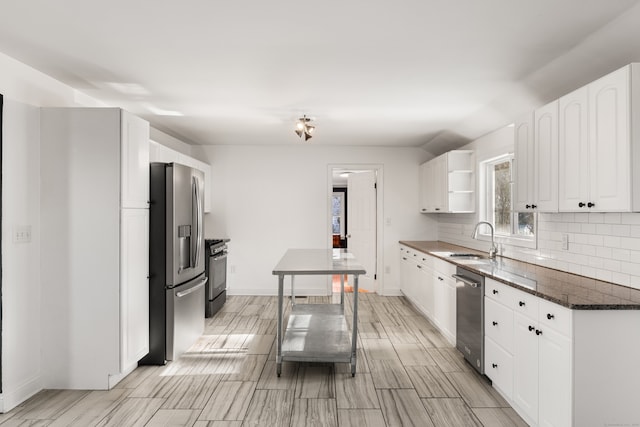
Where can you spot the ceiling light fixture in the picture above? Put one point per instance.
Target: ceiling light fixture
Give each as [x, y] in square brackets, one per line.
[303, 127]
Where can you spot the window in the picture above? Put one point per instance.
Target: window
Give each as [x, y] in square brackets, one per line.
[338, 213]
[516, 228]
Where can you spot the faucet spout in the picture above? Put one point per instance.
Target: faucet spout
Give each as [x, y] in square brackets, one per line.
[493, 250]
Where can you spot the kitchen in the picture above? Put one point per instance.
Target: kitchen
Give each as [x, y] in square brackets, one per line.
[257, 176]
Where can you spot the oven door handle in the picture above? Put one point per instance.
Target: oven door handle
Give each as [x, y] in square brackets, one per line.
[465, 280]
[219, 257]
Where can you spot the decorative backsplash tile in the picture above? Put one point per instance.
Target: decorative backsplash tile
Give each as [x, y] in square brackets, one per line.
[604, 246]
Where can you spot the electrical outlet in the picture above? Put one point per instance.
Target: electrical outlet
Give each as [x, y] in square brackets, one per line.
[22, 234]
[565, 242]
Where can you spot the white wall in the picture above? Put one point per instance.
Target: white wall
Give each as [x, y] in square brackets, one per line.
[269, 199]
[21, 365]
[604, 246]
[21, 282]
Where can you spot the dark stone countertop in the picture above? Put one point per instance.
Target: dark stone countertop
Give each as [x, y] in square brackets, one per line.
[567, 289]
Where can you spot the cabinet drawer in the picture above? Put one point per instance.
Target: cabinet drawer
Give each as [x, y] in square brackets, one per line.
[498, 323]
[555, 316]
[499, 292]
[443, 268]
[426, 260]
[526, 304]
[498, 365]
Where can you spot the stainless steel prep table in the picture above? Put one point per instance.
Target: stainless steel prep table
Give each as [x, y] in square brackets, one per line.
[317, 332]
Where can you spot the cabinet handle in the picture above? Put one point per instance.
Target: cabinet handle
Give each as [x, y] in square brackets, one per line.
[419, 266]
[521, 303]
[495, 291]
[581, 204]
[404, 258]
[531, 328]
[495, 323]
[494, 365]
[527, 206]
[534, 206]
[550, 316]
[437, 209]
[538, 332]
[590, 205]
[423, 210]
[440, 278]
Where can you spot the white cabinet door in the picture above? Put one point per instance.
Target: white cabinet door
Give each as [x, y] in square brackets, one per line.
[426, 188]
[609, 142]
[524, 154]
[573, 155]
[525, 367]
[134, 161]
[555, 384]
[426, 292]
[445, 305]
[134, 286]
[546, 157]
[440, 184]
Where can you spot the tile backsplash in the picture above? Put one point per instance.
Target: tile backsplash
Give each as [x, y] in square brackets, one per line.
[604, 246]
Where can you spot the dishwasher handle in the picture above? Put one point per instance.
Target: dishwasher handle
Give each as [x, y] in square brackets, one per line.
[465, 280]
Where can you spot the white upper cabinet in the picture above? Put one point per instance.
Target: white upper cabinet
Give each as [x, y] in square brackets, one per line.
[134, 161]
[545, 134]
[163, 154]
[598, 145]
[524, 163]
[609, 142]
[573, 154]
[536, 160]
[447, 183]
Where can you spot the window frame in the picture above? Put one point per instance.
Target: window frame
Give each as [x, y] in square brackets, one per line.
[485, 208]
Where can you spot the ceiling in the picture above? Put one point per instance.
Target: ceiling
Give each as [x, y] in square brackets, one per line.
[430, 73]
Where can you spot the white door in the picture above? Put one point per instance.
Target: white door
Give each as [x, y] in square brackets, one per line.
[361, 223]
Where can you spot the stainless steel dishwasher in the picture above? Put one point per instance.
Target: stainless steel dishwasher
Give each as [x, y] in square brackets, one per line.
[470, 317]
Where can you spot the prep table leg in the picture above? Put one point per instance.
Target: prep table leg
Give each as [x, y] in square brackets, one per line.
[293, 291]
[354, 338]
[279, 330]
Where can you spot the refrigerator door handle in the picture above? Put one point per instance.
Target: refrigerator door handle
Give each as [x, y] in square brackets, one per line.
[195, 206]
[192, 289]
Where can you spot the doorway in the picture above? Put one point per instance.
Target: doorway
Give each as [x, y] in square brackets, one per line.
[355, 217]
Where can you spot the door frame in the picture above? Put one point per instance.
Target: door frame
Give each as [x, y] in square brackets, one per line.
[379, 170]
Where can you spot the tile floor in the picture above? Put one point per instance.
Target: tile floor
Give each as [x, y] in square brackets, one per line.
[407, 375]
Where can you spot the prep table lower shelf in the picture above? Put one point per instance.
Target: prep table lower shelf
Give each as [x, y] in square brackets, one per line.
[317, 333]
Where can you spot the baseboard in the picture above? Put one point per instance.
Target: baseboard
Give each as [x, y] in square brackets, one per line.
[10, 400]
[116, 378]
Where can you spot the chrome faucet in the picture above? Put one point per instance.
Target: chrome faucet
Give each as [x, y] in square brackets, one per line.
[493, 250]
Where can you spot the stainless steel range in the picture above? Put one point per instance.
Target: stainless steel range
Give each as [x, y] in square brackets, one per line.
[470, 317]
[216, 271]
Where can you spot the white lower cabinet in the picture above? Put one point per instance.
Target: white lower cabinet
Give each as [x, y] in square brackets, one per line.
[426, 281]
[134, 287]
[528, 354]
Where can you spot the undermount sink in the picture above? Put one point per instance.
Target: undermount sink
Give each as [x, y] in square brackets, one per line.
[466, 256]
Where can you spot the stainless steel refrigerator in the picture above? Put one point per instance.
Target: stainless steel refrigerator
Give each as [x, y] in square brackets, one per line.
[176, 261]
